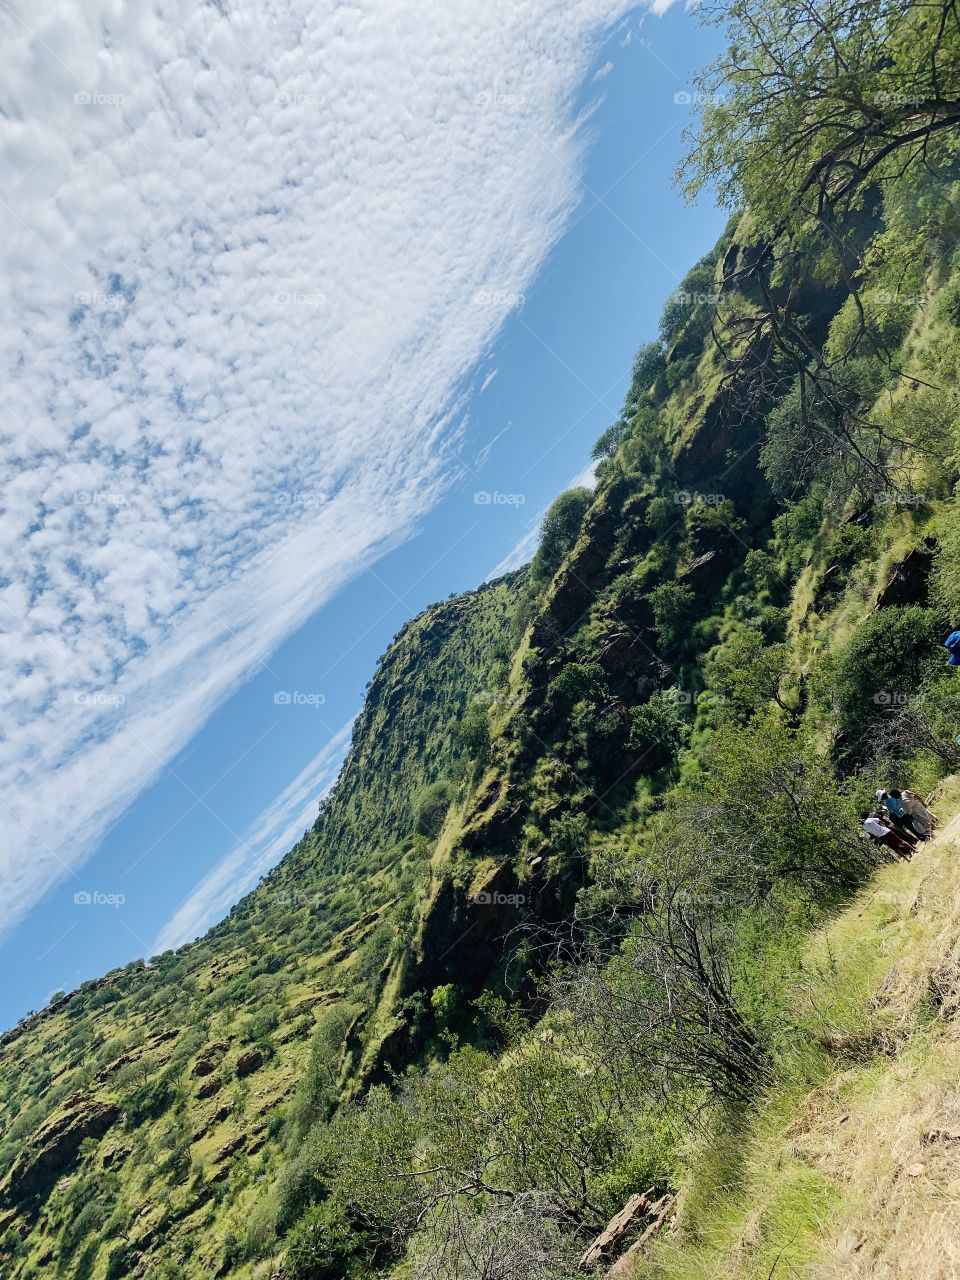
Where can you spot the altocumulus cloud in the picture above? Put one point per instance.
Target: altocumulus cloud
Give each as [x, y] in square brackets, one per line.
[243, 250]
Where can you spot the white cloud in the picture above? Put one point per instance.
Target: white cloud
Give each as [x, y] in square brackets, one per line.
[601, 73]
[242, 247]
[268, 839]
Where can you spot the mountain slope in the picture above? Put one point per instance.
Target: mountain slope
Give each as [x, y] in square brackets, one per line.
[191, 1055]
[585, 884]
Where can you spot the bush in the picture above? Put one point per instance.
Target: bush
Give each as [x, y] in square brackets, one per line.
[885, 662]
[319, 1242]
[948, 304]
[430, 808]
[674, 610]
[657, 730]
[579, 681]
[561, 525]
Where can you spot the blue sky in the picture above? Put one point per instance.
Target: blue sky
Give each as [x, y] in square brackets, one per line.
[540, 374]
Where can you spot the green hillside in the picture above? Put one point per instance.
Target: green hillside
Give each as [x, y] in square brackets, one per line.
[588, 926]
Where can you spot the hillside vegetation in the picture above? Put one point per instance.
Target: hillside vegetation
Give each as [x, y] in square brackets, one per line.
[588, 926]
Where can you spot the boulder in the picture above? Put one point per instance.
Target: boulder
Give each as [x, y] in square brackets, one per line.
[209, 1087]
[205, 1065]
[230, 1148]
[702, 573]
[249, 1061]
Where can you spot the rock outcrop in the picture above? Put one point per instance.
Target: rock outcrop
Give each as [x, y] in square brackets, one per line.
[55, 1145]
[643, 1214]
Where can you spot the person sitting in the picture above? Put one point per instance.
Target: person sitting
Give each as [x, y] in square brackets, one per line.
[894, 804]
[897, 815]
[952, 643]
[877, 829]
[920, 816]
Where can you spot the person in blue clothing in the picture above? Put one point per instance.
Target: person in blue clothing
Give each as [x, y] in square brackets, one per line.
[952, 643]
[897, 814]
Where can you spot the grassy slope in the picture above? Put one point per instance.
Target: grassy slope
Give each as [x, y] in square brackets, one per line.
[291, 948]
[850, 1167]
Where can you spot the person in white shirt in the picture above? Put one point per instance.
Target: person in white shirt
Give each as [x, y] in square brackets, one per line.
[875, 827]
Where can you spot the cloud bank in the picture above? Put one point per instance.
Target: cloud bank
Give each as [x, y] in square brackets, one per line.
[250, 253]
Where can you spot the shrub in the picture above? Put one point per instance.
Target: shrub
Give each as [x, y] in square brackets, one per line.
[657, 730]
[319, 1242]
[561, 525]
[430, 807]
[884, 663]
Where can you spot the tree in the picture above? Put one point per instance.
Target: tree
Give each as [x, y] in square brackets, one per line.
[559, 531]
[839, 99]
[884, 664]
[747, 673]
[473, 732]
[663, 1008]
[829, 95]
